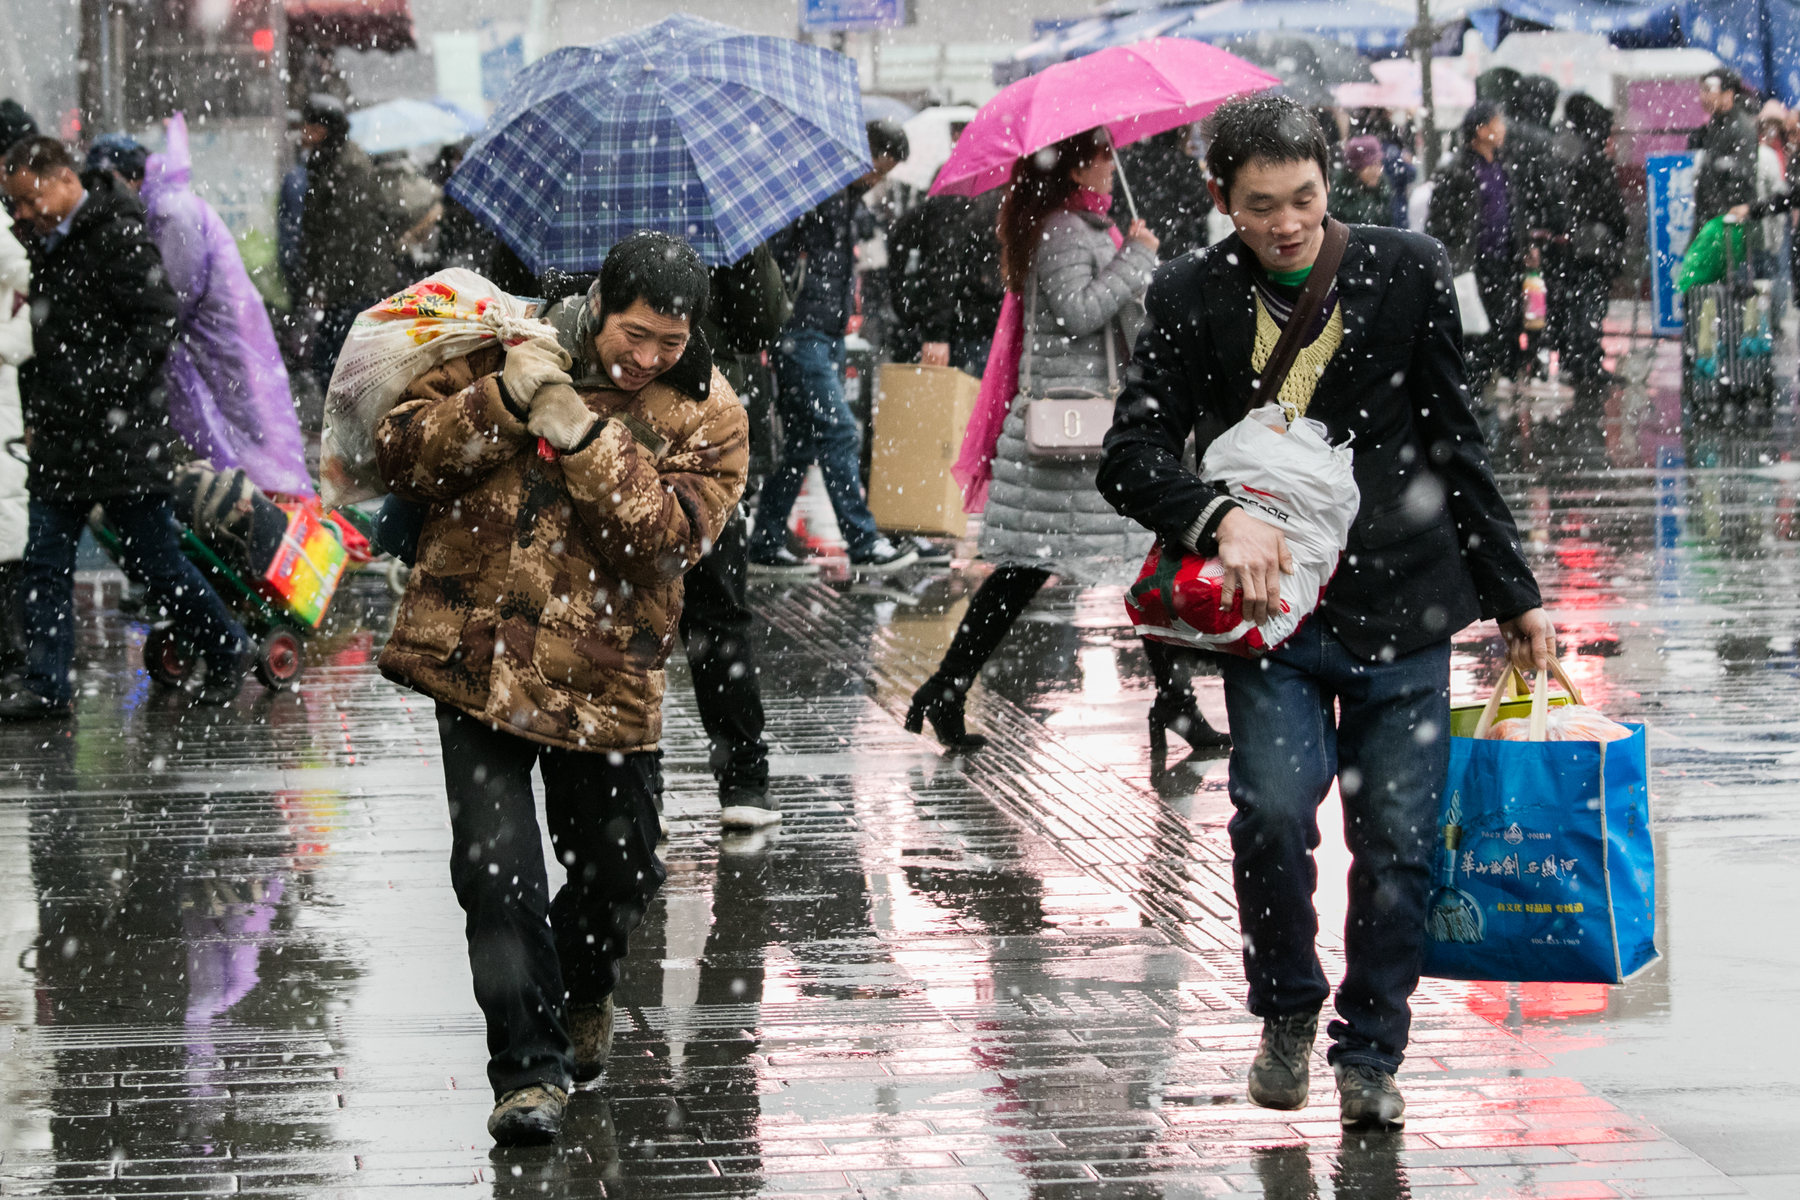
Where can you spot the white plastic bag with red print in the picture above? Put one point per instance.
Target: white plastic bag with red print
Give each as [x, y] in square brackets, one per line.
[1286, 474]
[420, 327]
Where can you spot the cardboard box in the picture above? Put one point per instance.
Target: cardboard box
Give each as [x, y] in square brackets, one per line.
[305, 572]
[920, 415]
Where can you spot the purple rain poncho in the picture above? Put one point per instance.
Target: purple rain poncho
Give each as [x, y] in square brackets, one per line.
[228, 390]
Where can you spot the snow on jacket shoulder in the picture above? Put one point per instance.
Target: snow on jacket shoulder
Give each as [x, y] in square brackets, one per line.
[547, 590]
[1084, 285]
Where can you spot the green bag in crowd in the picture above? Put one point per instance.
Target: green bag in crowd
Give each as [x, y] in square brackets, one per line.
[1708, 257]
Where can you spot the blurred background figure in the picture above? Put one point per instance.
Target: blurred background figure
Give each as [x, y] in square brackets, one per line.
[1169, 185]
[229, 399]
[1727, 174]
[944, 278]
[1596, 249]
[15, 348]
[1479, 211]
[15, 123]
[1361, 193]
[1771, 257]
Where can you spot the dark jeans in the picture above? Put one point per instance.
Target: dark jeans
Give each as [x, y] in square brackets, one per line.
[1389, 748]
[715, 627]
[151, 550]
[1498, 351]
[1578, 314]
[816, 426]
[532, 955]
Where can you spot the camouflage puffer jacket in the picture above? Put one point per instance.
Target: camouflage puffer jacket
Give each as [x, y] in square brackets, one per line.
[548, 587]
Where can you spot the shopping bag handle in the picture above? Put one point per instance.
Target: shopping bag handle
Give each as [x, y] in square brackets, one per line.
[1540, 698]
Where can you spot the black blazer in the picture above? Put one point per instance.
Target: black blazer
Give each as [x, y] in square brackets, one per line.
[1433, 547]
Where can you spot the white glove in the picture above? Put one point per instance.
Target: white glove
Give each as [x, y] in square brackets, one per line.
[530, 365]
[559, 416]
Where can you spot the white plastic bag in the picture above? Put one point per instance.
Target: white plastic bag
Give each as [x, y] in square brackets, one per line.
[1475, 321]
[1292, 477]
[424, 326]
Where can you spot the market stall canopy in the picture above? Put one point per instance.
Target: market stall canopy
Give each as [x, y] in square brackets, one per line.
[1624, 22]
[1377, 26]
[1758, 38]
[1308, 64]
[356, 24]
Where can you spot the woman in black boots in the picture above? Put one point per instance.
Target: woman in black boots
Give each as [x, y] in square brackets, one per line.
[1077, 289]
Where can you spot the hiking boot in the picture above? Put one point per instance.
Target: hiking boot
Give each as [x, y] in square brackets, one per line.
[883, 557]
[743, 807]
[1281, 1073]
[528, 1116]
[783, 562]
[591, 1029]
[27, 705]
[1368, 1097]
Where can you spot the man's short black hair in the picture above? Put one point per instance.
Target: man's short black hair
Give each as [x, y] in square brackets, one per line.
[38, 155]
[658, 268]
[888, 140]
[1729, 80]
[1271, 128]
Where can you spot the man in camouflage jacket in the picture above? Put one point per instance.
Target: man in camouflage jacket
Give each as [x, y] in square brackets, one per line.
[571, 481]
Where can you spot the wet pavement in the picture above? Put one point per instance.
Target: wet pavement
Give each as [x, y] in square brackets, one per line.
[230, 960]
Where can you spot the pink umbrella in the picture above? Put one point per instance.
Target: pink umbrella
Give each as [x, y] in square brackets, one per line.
[1136, 91]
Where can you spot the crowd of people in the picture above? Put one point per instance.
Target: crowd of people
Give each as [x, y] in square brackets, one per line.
[572, 503]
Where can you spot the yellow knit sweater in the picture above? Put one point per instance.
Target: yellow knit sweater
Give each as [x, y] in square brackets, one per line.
[1296, 392]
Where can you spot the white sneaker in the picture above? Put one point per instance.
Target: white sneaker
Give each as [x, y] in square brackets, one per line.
[747, 808]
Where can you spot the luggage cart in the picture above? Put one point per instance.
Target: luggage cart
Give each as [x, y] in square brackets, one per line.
[1727, 348]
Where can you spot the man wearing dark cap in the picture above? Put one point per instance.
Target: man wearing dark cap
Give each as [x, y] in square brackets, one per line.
[15, 123]
[350, 229]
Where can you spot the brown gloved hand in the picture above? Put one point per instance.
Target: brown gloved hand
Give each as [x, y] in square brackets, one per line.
[560, 417]
[531, 364]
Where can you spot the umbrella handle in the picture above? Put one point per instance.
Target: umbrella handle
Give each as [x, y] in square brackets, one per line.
[1119, 170]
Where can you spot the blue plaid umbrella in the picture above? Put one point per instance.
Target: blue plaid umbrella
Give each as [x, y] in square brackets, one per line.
[688, 126]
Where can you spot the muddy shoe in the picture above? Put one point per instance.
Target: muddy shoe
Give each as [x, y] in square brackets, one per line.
[528, 1116]
[591, 1029]
[1368, 1097]
[1280, 1074]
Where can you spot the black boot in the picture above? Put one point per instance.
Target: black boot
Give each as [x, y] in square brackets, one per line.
[1180, 714]
[1175, 709]
[940, 701]
[993, 608]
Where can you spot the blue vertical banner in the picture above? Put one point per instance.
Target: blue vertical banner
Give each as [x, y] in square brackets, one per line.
[1671, 225]
[830, 16]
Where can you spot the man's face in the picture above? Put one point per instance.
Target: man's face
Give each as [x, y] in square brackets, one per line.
[1714, 98]
[637, 345]
[313, 134]
[1370, 175]
[1489, 138]
[43, 201]
[1279, 211]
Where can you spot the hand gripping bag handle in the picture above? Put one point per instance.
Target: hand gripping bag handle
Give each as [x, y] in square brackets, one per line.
[1306, 310]
[1540, 699]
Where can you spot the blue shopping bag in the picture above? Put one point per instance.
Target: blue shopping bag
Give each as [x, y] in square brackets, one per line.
[1545, 870]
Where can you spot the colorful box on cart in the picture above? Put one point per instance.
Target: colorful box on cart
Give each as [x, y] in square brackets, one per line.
[304, 574]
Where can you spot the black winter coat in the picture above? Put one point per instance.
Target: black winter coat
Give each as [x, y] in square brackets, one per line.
[1433, 547]
[103, 315]
[1455, 217]
[1169, 185]
[1727, 177]
[944, 268]
[819, 250]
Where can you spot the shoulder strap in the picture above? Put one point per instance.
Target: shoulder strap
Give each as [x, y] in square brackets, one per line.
[1306, 311]
[1024, 388]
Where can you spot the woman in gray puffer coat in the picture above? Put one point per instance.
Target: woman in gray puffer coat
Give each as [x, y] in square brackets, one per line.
[1081, 284]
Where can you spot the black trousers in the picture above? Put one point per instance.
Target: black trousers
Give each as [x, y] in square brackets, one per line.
[715, 627]
[533, 955]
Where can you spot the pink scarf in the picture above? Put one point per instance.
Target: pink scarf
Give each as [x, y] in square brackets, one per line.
[974, 465]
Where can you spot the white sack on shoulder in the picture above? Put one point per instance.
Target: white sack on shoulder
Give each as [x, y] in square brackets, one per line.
[419, 328]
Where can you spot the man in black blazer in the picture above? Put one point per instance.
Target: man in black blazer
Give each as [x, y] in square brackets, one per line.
[1433, 549]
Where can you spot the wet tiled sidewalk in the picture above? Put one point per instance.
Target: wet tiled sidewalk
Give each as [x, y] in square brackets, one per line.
[232, 963]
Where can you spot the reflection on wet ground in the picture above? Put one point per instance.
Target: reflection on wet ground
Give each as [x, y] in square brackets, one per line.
[232, 961]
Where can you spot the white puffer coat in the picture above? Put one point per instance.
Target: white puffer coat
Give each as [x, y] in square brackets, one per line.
[1047, 513]
[15, 348]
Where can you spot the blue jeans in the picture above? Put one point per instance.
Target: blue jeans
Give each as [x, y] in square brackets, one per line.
[1389, 747]
[151, 548]
[816, 426]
